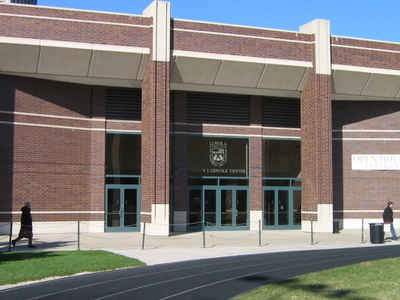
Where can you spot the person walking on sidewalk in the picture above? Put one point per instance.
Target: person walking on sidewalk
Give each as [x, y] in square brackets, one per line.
[388, 219]
[26, 230]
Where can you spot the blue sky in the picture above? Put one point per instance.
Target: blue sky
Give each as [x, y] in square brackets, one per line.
[367, 19]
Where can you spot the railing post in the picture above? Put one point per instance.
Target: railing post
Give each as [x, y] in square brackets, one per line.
[362, 231]
[10, 238]
[79, 235]
[204, 234]
[312, 233]
[143, 235]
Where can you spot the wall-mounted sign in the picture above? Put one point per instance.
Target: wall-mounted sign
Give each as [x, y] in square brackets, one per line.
[375, 162]
[218, 153]
[217, 157]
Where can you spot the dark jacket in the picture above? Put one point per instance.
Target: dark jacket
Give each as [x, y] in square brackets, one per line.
[26, 218]
[388, 215]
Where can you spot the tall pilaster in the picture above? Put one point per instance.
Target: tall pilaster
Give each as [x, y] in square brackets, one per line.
[256, 163]
[97, 157]
[180, 158]
[316, 140]
[155, 195]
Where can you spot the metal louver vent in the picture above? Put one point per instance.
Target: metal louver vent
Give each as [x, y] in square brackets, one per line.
[123, 104]
[281, 112]
[218, 109]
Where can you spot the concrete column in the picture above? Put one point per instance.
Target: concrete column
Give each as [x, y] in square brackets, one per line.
[321, 30]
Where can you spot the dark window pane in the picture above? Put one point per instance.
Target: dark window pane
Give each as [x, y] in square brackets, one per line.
[123, 152]
[241, 208]
[195, 208]
[269, 208]
[281, 158]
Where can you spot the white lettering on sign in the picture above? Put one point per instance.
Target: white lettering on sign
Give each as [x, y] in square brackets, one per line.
[225, 171]
[375, 162]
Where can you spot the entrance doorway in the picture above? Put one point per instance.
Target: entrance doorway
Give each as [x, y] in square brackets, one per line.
[218, 208]
[122, 208]
[282, 207]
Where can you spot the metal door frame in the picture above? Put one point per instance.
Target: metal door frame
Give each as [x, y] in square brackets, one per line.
[122, 188]
[218, 190]
[291, 190]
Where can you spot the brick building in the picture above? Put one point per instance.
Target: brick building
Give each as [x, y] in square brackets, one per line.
[119, 119]
[34, 2]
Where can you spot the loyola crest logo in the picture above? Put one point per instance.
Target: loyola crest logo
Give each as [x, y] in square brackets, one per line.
[218, 153]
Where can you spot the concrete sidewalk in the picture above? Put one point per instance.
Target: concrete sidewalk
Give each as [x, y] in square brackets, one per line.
[220, 244]
[189, 246]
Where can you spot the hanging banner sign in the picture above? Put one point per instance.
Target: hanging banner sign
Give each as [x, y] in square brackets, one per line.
[376, 162]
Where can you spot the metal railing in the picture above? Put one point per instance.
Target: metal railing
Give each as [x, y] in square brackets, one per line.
[70, 236]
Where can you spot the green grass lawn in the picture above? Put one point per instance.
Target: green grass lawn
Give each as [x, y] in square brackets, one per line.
[28, 266]
[374, 280]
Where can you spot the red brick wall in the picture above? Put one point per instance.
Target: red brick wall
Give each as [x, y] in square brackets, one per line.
[51, 154]
[243, 41]
[256, 156]
[365, 53]
[97, 153]
[148, 142]
[316, 145]
[155, 136]
[179, 153]
[89, 27]
[61, 169]
[364, 190]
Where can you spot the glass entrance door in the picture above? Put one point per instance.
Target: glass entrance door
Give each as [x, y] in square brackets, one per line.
[282, 207]
[220, 208]
[122, 208]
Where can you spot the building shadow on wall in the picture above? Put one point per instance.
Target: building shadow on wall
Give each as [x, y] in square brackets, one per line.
[29, 100]
[7, 106]
[355, 115]
[49, 97]
[338, 194]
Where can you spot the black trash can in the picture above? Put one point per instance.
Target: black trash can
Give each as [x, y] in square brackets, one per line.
[335, 226]
[377, 233]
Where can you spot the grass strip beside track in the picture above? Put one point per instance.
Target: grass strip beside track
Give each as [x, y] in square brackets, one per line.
[16, 267]
[372, 280]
